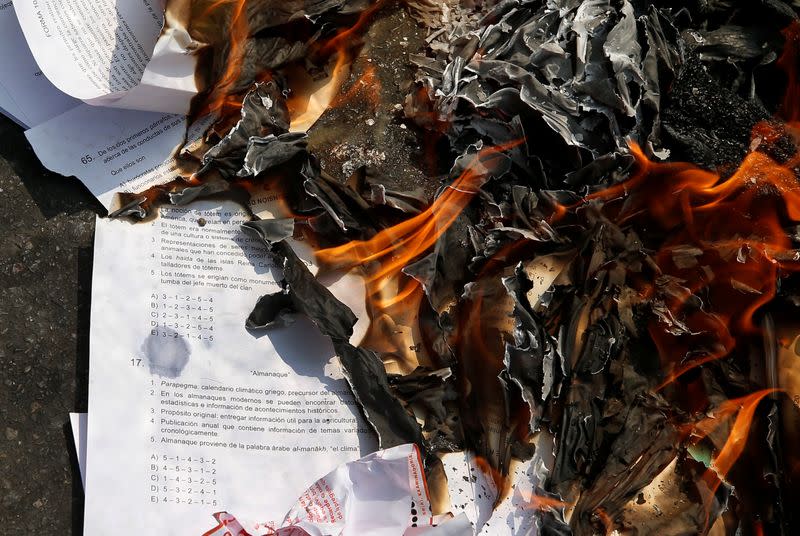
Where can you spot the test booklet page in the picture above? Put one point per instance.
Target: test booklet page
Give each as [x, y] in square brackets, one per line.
[192, 412]
[111, 52]
[118, 150]
[26, 95]
[189, 413]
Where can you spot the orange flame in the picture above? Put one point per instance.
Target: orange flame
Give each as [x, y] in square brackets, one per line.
[342, 40]
[741, 428]
[735, 227]
[397, 246]
[736, 441]
[305, 109]
[724, 249]
[222, 97]
[788, 62]
[367, 86]
[390, 293]
[542, 502]
[605, 520]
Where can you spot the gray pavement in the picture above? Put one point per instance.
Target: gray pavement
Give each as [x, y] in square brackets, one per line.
[46, 234]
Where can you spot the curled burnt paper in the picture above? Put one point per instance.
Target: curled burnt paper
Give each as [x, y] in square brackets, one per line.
[304, 294]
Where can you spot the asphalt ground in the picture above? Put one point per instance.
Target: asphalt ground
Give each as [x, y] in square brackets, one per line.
[46, 237]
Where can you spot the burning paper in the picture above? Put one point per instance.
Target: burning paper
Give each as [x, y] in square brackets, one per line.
[578, 268]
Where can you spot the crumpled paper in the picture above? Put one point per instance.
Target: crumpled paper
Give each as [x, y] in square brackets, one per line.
[382, 494]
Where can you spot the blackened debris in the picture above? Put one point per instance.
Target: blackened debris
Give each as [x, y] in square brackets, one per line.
[707, 123]
[364, 371]
[586, 71]
[435, 393]
[264, 113]
[532, 361]
[579, 306]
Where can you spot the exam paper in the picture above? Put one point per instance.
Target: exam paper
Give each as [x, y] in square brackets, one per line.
[155, 265]
[26, 95]
[190, 411]
[111, 52]
[113, 149]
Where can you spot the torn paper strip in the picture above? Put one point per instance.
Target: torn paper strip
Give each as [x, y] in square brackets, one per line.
[78, 423]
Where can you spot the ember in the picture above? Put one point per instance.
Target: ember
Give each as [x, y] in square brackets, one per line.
[595, 279]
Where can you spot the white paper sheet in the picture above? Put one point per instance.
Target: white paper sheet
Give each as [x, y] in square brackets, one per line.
[79, 423]
[9, 108]
[111, 52]
[110, 149]
[189, 410]
[25, 93]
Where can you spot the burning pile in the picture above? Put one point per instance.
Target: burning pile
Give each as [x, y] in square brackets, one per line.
[571, 294]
